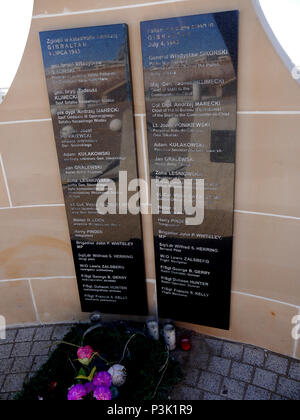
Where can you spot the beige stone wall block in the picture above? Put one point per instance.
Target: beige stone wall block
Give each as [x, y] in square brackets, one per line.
[265, 83]
[16, 302]
[35, 243]
[57, 300]
[142, 152]
[152, 298]
[267, 165]
[258, 322]
[44, 7]
[27, 98]
[31, 164]
[149, 246]
[266, 257]
[137, 72]
[4, 201]
[114, 317]
[142, 148]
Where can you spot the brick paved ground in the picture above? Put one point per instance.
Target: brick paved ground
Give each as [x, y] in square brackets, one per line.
[221, 370]
[23, 353]
[214, 369]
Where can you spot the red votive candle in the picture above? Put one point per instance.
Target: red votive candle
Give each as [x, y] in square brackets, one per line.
[53, 385]
[186, 344]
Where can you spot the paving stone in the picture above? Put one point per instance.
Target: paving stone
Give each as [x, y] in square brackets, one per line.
[181, 356]
[254, 393]
[43, 334]
[5, 365]
[215, 346]
[213, 397]
[289, 388]
[294, 372]
[5, 350]
[60, 332]
[277, 364]
[21, 349]
[10, 337]
[198, 359]
[186, 393]
[265, 379]
[53, 347]
[30, 376]
[210, 382]
[254, 356]
[192, 377]
[25, 334]
[232, 389]
[200, 342]
[199, 355]
[219, 365]
[276, 397]
[39, 361]
[14, 383]
[22, 365]
[241, 372]
[233, 351]
[40, 348]
[2, 377]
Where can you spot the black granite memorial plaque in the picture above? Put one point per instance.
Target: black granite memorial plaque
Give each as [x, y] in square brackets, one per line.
[89, 87]
[190, 73]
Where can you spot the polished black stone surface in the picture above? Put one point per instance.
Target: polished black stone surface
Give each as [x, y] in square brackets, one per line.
[190, 73]
[89, 86]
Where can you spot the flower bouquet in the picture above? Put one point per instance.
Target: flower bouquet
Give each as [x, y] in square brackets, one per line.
[106, 362]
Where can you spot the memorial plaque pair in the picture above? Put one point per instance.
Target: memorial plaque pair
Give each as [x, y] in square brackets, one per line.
[190, 74]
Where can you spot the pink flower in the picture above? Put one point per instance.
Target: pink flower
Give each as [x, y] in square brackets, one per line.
[102, 379]
[76, 393]
[85, 354]
[102, 393]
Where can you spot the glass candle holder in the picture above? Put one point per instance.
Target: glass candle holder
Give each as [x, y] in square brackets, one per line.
[153, 329]
[170, 336]
[185, 344]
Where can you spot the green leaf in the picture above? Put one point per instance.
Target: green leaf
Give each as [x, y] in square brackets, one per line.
[85, 378]
[92, 374]
[82, 372]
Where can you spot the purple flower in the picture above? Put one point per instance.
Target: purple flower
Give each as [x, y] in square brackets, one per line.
[89, 387]
[102, 379]
[76, 393]
[102, 393]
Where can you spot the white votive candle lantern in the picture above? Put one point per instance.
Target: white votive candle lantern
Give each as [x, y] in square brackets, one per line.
[153, 329]
[170, 336]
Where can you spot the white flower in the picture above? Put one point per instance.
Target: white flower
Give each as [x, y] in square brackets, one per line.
[118, 374]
